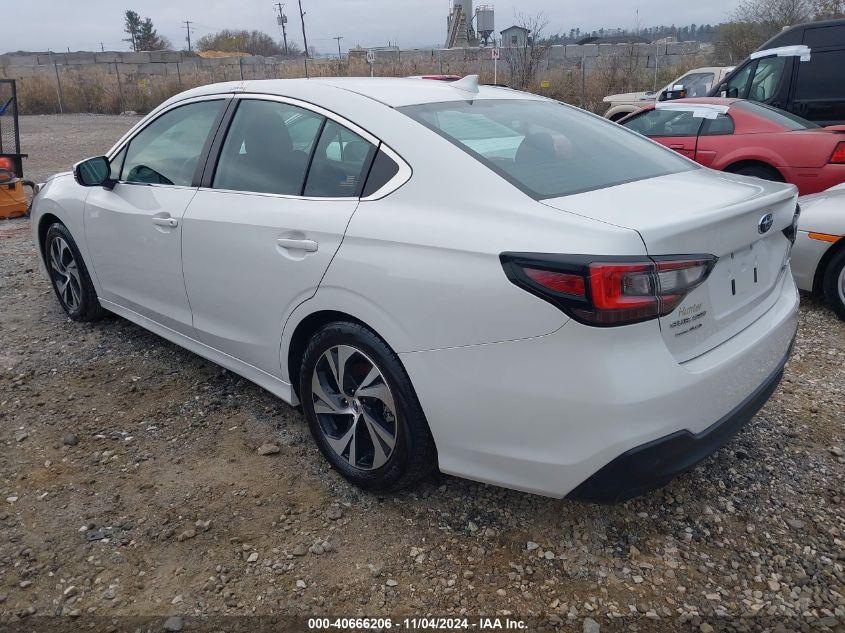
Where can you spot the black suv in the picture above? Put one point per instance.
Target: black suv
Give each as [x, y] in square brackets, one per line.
[812, 88]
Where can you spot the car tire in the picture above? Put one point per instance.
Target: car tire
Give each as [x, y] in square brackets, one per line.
[759, 171]
[378, 440]
[833, 283]
[69, 275]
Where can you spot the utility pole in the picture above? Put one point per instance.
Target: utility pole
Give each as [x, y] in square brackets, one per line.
[283, 20]
[304, 38]
[102, 48]
[188, 29]
[338, 38]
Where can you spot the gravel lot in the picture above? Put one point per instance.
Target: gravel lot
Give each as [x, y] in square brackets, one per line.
[130, 485]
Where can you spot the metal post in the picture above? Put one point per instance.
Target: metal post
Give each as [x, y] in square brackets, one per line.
[656, 63]
[119, 88]
[179, 75]
[58, 84]
[241, 66]
[304, 37]
[583, 77]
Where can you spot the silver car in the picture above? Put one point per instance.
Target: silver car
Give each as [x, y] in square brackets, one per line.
[818, 259]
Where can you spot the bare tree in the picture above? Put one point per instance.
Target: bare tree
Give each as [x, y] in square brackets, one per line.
[524, 58]
[829, 9]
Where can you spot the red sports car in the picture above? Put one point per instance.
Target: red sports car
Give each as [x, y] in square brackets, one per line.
[747, 138]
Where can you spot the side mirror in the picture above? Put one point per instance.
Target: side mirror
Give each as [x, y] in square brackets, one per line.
[675, 92]
[93, 172]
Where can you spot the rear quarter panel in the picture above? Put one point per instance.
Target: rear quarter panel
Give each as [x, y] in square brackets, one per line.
[422, 268]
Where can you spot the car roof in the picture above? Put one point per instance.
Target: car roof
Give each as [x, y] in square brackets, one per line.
[393, 92]
[794, 35]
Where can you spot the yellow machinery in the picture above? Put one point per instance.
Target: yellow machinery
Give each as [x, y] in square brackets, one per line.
[13, 199]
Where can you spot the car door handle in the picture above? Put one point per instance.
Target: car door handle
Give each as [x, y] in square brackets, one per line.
[676, 147]
[168, 222]
[309, 246]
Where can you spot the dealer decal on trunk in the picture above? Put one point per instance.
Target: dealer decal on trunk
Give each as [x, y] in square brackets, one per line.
[688, 316]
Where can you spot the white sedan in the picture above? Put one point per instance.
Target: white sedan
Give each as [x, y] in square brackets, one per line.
[819, 255]
[443, 275]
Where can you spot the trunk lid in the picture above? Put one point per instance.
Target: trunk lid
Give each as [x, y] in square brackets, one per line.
[705, 212]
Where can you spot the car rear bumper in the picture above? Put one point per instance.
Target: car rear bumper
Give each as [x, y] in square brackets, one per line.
[654, 464]
[545, 414]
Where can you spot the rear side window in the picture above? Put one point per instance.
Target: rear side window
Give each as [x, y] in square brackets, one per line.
[340, 163]
[267, 148]
[824, 36]
[545, 148]
[823, 77]
[167, 151]
[665, 123]
[384, 168]
[722, 125]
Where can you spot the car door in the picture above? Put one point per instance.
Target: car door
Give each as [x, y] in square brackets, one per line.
[711, 139]
[676, 129]
[133, 230]
[271, 214]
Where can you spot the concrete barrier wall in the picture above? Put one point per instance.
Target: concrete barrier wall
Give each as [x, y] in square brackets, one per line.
[174, 63]
[115, 81]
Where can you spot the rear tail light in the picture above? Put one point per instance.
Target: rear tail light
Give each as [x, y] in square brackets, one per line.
[609, 291]
[839, 154]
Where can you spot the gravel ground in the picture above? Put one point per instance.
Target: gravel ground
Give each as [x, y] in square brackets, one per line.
[131, 485]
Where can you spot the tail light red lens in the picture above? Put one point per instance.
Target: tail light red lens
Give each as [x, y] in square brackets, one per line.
[559, 282]
[609, 291]
[838, 154]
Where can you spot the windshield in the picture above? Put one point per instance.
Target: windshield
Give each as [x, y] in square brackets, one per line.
[545, 148]
[788, 120]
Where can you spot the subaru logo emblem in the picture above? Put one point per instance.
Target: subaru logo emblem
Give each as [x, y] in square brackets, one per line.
[765, 223]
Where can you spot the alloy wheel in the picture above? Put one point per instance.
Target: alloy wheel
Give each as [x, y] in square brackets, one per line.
[65, 273]
[355, 407]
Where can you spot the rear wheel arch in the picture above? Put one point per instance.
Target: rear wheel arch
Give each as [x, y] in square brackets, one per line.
[741, 166]
[302, 334]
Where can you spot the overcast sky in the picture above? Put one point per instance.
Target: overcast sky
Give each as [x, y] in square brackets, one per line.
[84, 24]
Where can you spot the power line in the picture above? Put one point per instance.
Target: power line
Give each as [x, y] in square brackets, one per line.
[188, 29]
[338, 38]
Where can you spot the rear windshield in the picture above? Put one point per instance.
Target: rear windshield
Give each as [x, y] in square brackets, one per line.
[786, 119]
[545, 148]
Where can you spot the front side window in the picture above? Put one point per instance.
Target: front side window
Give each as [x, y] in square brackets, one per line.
[737, 86]
[660, 122]
[822, 76]
[168, 150]
[766, 78]
[545, 148]
[267, 148]
[697, 84]
[340, 163]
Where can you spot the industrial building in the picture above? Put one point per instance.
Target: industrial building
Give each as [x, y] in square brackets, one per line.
[465, 27]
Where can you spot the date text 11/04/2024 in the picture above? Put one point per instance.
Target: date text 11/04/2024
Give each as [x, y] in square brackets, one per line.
[417, 624]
